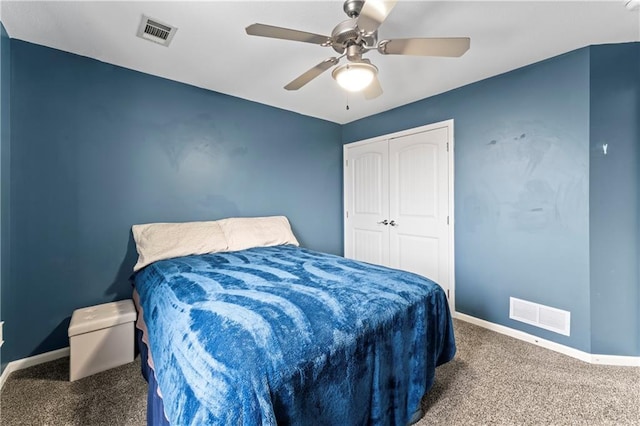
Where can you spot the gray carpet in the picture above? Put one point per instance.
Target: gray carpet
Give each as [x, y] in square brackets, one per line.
[494, 379]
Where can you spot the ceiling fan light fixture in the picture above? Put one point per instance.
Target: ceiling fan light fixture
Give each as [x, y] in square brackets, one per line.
[355, 76]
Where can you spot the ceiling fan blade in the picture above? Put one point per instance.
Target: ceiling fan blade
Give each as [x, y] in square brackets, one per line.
[452, 47]
[311, 74]
[373, 14]
[263, 30]
[373, 90]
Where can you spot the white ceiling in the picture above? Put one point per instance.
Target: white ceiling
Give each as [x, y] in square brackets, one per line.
[211, 49]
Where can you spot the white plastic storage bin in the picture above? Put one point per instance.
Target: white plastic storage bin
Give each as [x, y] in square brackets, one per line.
[101, 337]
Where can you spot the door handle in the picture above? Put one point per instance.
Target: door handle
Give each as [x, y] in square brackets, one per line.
[383, 222]
[393, 223]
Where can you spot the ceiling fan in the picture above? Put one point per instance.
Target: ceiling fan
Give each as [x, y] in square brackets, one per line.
[355, 37]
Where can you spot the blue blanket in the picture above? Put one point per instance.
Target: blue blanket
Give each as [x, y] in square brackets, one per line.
[285, 335]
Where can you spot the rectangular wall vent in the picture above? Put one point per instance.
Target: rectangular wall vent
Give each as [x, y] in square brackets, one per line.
[541, 316]
[156, 31]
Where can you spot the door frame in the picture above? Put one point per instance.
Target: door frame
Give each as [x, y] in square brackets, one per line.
[451, 207]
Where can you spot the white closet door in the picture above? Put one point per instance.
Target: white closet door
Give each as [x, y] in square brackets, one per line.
[419, 204]
[367, 203]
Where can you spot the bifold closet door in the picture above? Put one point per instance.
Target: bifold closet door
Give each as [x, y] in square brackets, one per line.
[367, 202]
[397, 203]
[418, 204]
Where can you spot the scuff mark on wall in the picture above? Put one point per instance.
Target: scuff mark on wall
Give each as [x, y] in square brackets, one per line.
[525, 211]
[481, 208]
[200, 136]
[530, 177]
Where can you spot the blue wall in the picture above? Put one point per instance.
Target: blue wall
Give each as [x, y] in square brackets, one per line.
[541, 214]
[521, 189]
[614, 184]
[5, 152]
[97, 148]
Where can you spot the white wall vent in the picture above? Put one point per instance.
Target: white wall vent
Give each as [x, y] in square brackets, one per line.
[156, 31]
[541, 316]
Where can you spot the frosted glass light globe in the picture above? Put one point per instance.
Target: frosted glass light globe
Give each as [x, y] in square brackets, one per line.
[354, 77]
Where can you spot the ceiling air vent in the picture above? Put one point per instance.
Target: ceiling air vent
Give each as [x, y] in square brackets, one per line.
[156, 31]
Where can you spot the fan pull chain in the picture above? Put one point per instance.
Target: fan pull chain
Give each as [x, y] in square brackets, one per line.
[347, 101]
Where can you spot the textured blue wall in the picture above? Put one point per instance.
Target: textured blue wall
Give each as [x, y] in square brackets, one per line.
[5, 152]
[614, 184]
[97, 148]
[521, 188]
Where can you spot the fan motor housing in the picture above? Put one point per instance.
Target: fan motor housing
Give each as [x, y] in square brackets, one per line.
[347, 33]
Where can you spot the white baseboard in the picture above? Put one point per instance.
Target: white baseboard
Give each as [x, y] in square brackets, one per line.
[627, 361]
[623, 361]
[23, 363]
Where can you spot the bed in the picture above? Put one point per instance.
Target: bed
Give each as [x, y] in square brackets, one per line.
[281, 334]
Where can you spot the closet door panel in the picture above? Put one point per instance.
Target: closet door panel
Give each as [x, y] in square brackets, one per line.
[418, 173]
[367, 203]
[418, 254]
[370, 246]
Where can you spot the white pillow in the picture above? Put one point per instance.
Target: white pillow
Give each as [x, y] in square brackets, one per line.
[246, 232]
[158, 241]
